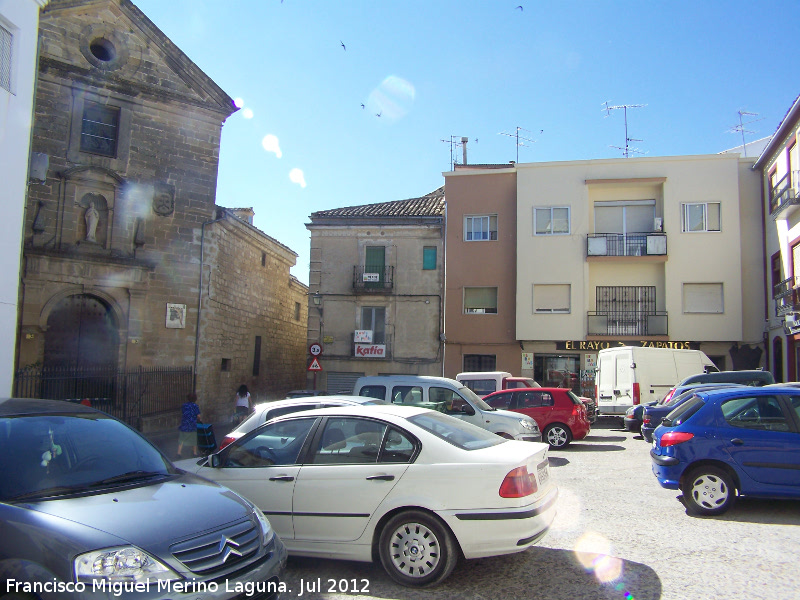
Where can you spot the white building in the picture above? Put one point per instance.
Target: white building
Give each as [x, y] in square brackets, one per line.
[19, 24]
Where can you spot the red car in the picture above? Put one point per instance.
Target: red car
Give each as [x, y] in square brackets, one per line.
[560, 414]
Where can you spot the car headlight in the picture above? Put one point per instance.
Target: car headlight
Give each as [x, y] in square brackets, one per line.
[266, 528]
[529, 425]
[126, 563]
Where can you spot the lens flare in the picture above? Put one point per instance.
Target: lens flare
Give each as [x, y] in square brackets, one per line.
[593, 551]
[296, 176]
[271, 144]
[238, 102]
[247, 113]
[393, 98]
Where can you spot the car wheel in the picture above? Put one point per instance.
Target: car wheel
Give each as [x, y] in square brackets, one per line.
[416, 549]
[557, 435]
[708, 491]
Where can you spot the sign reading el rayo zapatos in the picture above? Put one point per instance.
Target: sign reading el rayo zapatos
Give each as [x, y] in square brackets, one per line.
[370, 350]
[594, 346]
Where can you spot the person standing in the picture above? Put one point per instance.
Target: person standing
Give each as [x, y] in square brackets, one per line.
[244, 405]
[187, 430]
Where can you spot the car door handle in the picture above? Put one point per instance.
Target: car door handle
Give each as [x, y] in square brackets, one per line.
[737, 442]
[380, 478]
[282, 478]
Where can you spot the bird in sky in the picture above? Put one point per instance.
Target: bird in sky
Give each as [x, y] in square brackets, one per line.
[343, 46]
[362, 105]
[519, 7]
[379, 114]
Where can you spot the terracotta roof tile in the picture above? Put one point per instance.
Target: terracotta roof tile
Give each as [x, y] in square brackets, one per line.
[430, 205]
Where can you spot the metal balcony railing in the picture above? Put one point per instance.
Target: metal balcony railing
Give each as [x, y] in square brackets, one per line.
[627, 323]
[784, 193]
[373, 280]
[786, 295]
[626, 244]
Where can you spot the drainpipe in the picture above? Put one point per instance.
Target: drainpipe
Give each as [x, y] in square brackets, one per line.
[200, 297]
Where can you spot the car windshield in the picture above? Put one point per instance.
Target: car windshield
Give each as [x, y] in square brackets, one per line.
[454, 431]
[474, 399]
[57, 454]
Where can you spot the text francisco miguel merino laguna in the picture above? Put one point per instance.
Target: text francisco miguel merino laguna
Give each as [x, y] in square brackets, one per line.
[118, 588]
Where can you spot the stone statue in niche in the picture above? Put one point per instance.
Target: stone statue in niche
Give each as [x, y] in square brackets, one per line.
[92, 217]
[163, 199]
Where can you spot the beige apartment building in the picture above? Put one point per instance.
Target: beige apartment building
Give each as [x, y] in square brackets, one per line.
[375, 301]
[779, 168]
[638, 251]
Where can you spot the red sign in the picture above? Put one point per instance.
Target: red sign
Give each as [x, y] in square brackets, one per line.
[315, 366]
[371, 350]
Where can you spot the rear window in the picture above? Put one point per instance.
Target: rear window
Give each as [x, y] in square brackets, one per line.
[482, 387]
[684, 411]
[456, 432]
[574, 398]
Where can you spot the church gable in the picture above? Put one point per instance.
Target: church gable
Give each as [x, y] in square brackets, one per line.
[111, 43]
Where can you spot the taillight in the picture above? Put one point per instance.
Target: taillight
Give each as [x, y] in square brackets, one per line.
[646, 419]
[225, 441]
[672, 438]
[518, 484]
[636, 396]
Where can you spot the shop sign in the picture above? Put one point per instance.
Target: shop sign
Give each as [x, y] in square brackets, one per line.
[370, 350]
[594, 346]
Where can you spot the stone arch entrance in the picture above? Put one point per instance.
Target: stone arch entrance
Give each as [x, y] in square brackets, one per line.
[82, 333]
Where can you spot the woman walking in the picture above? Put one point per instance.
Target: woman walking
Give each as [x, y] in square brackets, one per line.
[244, 405]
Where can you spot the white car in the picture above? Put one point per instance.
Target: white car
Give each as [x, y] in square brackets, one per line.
[413, 486]
[266, 411]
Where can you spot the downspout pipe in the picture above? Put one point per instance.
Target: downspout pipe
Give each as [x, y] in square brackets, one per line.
[200, 296]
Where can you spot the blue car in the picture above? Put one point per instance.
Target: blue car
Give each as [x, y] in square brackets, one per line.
[727, 442]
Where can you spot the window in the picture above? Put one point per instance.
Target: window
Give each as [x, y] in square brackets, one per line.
[429, 258]
[226, 364]
[257, 356]
[701, 217]
[276, 444]
[6, 46]
[551, 298]
[763, 413]
[480, 227]
[373, 391]
[501, 401]
[296, 311]
[480, 300]
[703, 298]
[348, 441]
[99, 129]
[406, 394]
[553, 220]
[480, 362]
[373, 318]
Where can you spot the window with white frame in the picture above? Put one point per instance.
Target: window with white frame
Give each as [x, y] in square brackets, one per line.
[373, 318]
[480, 228]
[480, 300]
[6, 47]
[704, 298]
[551, 297]
[701, 216]
[551, 220]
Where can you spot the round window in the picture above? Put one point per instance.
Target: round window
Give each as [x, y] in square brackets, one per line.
[103, 50]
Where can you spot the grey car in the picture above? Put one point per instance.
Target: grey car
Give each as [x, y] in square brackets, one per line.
[91, 509]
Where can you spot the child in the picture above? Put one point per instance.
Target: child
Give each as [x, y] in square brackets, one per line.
[243, 404]
[187, 431]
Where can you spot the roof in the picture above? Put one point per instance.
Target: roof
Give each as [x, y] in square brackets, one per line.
[430, 205]
[778, 138]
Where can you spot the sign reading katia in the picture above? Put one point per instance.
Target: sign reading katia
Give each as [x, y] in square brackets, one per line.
[371, 350]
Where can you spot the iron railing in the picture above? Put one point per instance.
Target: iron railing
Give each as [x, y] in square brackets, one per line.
[129, 395]
[373, 279]
[626, 244]
[636, 323]
[784, 193]
[786, 295]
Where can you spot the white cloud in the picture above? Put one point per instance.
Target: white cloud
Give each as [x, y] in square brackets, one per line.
[271, 144]
[296, 176]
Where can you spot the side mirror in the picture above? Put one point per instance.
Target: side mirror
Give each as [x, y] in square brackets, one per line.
[467, 409]
[213, 461]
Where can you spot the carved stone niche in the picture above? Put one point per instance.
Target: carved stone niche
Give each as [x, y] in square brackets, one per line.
[90, 200]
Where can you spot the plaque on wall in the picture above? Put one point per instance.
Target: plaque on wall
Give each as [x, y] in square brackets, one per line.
[176, 316]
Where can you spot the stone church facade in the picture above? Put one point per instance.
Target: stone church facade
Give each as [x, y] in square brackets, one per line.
[127, 259]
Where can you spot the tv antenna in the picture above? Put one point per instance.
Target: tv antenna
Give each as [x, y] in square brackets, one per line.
[518, 138]
[627, 150]
[455, 141]
[740, 128]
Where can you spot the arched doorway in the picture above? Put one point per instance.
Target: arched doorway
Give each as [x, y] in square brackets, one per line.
[777, 359]
[81, 349]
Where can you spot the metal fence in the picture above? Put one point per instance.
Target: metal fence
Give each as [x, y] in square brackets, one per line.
[129, 395]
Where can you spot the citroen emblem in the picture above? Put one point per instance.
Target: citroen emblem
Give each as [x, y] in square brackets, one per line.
[227, 547]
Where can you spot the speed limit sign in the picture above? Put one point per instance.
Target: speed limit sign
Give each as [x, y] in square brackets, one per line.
[315, 349]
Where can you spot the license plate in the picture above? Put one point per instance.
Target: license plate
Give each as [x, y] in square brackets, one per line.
[543, 471]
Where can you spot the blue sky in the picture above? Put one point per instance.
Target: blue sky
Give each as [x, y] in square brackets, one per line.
[433, 69]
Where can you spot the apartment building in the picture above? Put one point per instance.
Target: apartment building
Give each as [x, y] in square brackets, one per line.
[779, 169]
[375, 291]
[637, 251]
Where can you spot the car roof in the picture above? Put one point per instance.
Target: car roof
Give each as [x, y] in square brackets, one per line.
[745, 390]
[368, 410]
[729, 376]
[36, 406]
[343, 398]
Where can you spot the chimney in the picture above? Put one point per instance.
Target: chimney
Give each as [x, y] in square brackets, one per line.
[464, 146]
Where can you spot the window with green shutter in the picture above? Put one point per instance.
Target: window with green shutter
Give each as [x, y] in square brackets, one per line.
[429, 257]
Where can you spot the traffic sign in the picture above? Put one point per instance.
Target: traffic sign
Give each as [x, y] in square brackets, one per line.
[315, 366]
[315, 349]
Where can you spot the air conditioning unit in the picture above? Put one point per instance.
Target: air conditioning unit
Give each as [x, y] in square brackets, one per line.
[791, 325]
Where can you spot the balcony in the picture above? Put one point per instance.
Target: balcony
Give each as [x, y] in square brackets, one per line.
[371, 280]
[786, 295]
[783, 194]
[627, 323]
[626, 244]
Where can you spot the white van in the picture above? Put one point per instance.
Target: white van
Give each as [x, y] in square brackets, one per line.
[486, 382]
[450, 397]
[629, 375]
